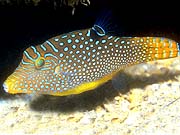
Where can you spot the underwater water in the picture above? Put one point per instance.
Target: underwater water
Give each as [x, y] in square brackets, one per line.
[139, 100]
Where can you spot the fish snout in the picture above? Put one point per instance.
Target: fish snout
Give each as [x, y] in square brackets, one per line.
[9, 85]
[5, 86]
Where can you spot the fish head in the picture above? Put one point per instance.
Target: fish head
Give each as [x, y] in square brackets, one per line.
[36, 73]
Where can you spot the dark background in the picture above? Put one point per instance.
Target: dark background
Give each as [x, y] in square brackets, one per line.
[22, 25]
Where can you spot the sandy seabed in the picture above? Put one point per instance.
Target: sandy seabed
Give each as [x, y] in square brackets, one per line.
[141, 100]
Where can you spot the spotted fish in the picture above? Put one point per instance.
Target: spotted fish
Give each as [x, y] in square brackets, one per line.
[82, 60]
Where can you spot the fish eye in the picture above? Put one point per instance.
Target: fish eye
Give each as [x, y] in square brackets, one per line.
[39, 62]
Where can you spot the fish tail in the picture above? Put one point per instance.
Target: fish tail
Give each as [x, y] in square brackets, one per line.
[162, 48]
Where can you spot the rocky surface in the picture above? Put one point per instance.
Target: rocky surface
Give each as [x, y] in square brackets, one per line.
[143, 100]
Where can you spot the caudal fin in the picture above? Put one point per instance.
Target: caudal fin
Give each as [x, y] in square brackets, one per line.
[162, 48]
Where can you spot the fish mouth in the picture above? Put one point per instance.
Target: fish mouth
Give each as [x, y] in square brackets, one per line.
[9, 84]
[5, 86]
[12, 85]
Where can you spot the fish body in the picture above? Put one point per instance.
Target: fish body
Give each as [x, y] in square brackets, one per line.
[82, 60]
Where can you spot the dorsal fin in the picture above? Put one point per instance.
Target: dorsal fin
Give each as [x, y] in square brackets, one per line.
[104, 25]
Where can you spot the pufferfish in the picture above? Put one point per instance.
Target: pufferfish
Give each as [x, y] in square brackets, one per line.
[82, 60]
